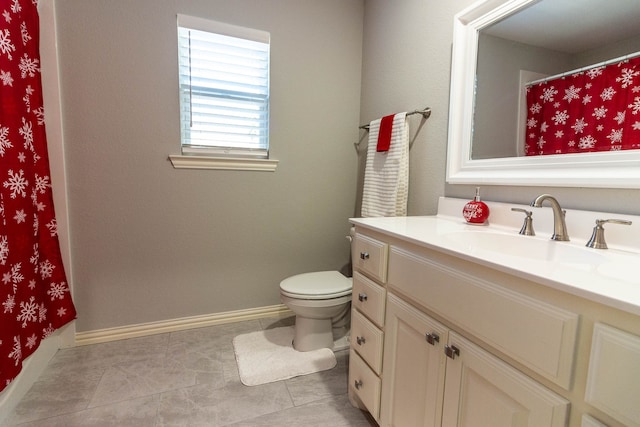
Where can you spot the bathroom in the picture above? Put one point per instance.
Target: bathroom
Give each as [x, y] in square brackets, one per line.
[146, 243]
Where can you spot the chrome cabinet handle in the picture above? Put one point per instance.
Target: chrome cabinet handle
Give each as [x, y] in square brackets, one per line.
[364, 255]
[362, 297]
[432, 338]
[358, 384]
[360, 340]
[451, 351]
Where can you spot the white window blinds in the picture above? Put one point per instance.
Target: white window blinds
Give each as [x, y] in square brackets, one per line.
[224, 88]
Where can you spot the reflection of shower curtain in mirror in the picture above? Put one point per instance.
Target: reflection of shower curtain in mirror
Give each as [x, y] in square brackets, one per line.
[34, 294]
[592, 110]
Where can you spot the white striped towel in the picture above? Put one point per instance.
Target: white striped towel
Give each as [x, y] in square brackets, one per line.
[386, 174]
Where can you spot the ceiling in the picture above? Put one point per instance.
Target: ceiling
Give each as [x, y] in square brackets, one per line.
[571, 26]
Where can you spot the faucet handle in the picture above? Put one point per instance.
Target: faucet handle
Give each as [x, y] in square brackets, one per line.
[597, 238]
[527, 227]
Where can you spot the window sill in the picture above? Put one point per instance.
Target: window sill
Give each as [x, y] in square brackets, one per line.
[222, 163]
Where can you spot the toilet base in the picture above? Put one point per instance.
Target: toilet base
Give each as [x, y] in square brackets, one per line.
[312, 334]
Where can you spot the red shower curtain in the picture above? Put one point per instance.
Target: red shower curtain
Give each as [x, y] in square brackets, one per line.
[34, 292]
[593, 110]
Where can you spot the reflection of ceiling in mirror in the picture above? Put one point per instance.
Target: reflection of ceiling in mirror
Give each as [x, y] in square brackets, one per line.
[571, 26]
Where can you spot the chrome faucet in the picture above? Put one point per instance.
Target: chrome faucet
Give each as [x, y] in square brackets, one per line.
[559, 225]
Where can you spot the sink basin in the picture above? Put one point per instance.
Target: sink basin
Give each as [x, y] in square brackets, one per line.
[625, 270]
[530, 248]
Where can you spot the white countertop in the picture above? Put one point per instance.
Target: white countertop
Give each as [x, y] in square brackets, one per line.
[607, 276]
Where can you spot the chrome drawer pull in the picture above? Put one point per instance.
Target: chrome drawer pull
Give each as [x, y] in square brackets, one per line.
[451, 351]
[362, 297]
[364, 255]
[432, 338]
[360, 340]
[358, 384]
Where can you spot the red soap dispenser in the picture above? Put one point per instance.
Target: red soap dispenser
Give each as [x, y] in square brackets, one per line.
[476, 211]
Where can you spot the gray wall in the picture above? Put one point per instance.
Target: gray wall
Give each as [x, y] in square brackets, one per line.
[149, 242]
[498, 86]
[603, 53]
[406, 64]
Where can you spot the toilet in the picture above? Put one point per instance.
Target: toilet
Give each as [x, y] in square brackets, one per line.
[321, 302]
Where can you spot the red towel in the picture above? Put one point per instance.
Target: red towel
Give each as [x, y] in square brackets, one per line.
[384, 134]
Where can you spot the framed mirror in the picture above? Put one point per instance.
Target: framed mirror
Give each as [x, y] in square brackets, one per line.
[498, 46]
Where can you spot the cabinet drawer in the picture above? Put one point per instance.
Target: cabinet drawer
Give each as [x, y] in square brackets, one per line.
[367, 340]
[533, 332]
[369, 298]
[365, 384]
[370, 257]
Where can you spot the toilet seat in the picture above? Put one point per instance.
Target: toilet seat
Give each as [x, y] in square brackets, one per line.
[317, 286]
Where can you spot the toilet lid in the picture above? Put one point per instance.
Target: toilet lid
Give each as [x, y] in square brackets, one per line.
[318, 285]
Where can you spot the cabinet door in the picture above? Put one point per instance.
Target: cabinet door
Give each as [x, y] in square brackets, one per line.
[413, 369]
[613, 382]
[481, 390]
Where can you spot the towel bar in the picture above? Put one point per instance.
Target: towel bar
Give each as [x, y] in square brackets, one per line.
[426, 112]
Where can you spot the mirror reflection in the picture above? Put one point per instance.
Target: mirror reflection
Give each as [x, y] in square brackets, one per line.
[546, 39]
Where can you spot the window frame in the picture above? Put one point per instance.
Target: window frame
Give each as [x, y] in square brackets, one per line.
[221, 157]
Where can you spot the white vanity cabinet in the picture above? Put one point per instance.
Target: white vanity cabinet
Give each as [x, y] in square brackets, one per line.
[440, 340]
[367, 322]
[540, 335]
[434, 376]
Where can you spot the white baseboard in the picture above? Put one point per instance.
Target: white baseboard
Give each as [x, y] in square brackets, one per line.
[184, 323]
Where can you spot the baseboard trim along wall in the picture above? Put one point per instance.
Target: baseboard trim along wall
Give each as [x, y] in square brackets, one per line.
[184, 323]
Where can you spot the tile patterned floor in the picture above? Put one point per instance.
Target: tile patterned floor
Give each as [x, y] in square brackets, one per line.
[186, 378]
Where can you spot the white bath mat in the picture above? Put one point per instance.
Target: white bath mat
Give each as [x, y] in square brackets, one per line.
[268, 356]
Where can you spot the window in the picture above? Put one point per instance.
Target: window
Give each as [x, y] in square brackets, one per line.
[224, 89]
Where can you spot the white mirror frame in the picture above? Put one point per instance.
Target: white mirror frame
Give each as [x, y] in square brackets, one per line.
[619, 169]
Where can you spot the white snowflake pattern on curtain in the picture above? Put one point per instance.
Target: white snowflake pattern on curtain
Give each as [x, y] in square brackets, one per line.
[35, 299]
[593, 110]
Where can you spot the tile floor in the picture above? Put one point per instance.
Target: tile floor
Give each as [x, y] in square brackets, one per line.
[186, 378]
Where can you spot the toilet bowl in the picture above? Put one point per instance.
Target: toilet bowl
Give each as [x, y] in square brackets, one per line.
[321, 302]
